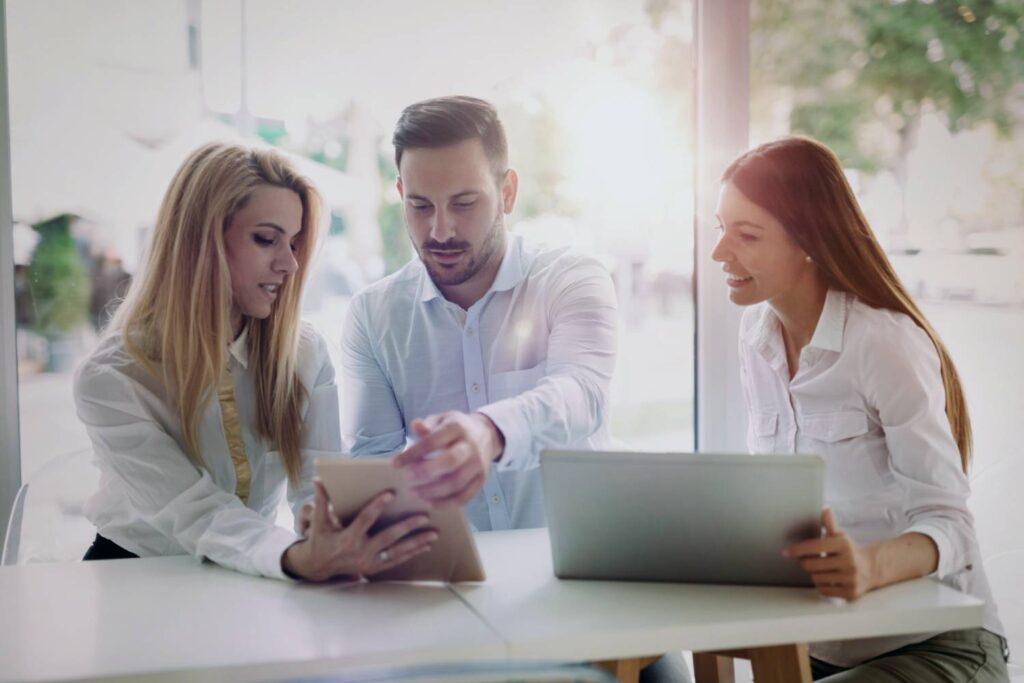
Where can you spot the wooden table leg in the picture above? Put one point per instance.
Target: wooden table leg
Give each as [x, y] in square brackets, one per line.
[710, 667]
[776, 664]
[781, 664]
[626, 670]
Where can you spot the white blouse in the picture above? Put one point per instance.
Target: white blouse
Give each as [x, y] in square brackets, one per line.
[868, 397]
[153, 501]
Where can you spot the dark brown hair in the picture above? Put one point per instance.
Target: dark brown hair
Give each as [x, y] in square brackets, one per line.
[445, 121]
[801, 183]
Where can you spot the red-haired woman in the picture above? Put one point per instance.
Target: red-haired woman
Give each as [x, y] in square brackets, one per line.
[837, 359]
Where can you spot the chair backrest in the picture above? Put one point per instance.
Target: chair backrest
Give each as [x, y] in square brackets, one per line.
[47, 523]
[12, 536]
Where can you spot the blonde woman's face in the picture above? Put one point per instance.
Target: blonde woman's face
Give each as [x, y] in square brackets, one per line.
[259, 242]
[761, 261]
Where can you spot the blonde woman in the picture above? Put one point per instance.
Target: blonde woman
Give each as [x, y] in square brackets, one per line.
[837, 359]
[207, 396]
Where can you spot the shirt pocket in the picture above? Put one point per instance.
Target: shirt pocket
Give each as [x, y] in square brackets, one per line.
[764, 426]
[504, 385]
[854, 464]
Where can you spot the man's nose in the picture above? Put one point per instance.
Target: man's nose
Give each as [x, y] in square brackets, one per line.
[443, 227]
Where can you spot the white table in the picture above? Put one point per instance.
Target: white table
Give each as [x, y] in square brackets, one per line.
[174, 619]
[628, 623]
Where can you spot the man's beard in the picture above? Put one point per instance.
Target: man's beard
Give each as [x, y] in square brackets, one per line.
[475, 261]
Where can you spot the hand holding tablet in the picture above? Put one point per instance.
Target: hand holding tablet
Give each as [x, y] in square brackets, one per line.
[352, 484]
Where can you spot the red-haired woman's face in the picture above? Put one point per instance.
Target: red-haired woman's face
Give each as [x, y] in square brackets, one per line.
[259, 244]
[761, 261]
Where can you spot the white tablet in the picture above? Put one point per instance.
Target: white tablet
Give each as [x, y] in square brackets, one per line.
[352, 483]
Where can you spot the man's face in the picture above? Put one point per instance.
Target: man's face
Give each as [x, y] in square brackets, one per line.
[454, 210]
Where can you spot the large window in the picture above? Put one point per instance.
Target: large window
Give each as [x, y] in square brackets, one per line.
[924, 104]
[108, 97]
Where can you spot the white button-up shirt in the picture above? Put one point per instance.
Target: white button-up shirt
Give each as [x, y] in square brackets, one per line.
[535, 354]
[868, 397]
[153, 501]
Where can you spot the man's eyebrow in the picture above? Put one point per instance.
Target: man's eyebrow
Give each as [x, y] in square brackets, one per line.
[457, 195]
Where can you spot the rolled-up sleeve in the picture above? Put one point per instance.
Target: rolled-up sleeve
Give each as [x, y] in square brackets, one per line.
[164, 488]
[570, 402]
[905, 385]
[371, 421]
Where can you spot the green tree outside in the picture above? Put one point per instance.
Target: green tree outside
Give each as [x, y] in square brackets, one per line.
[58, 280]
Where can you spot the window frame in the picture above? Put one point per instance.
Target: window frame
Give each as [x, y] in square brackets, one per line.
[10, 448]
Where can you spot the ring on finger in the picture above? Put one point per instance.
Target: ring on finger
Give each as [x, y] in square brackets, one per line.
[384, 556]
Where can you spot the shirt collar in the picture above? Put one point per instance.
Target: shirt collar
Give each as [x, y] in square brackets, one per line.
[828, 334]
[510, 272]
[237, 348]
[763, 335]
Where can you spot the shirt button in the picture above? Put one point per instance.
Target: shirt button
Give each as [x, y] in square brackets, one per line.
[469, 331]
[475, 388]
[495, 499]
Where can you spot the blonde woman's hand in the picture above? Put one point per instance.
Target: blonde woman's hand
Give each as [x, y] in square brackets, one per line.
[331, 550]
[305, 519]
[838, 567]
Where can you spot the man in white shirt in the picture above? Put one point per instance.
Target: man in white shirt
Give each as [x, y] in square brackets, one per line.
[484, 350]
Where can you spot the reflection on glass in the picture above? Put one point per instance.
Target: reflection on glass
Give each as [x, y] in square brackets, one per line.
[107, 98]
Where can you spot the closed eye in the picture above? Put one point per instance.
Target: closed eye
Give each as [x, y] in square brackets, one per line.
[263, 241]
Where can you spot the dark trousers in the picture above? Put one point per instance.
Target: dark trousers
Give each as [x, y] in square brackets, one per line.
[105, 549]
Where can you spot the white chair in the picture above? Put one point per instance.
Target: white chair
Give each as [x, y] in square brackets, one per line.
[46, 523]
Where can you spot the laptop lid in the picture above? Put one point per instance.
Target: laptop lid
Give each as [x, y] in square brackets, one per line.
[685, 517]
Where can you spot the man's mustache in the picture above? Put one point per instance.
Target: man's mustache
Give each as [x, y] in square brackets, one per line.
[450, 245]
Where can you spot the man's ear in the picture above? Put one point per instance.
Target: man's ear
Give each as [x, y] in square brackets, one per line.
[398, 186]
[509, 190]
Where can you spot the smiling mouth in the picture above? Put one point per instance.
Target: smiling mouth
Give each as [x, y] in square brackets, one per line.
[736, 280]
[270, 289]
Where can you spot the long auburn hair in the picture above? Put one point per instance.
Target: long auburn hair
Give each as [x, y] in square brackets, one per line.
[175, 319]
[801, 183]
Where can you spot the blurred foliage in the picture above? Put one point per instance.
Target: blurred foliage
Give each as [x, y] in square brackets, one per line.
[395, 241]
[393, 236]
[847, 63]
[538, 150]
[58, 280]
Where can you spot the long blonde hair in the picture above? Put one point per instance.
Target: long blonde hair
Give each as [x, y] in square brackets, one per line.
[801, 183]
[175, 319]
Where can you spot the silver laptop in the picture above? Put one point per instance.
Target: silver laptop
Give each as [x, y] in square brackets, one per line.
[687, 517]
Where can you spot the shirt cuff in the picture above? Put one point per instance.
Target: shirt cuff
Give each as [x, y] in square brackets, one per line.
[267, 556]
[949, 560]
[514, 427]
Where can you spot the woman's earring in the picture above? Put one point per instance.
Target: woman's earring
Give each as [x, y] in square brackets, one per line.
[808, 259]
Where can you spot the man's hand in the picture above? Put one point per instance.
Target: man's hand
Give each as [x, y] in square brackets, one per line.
[838, 566]
[465, 446]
